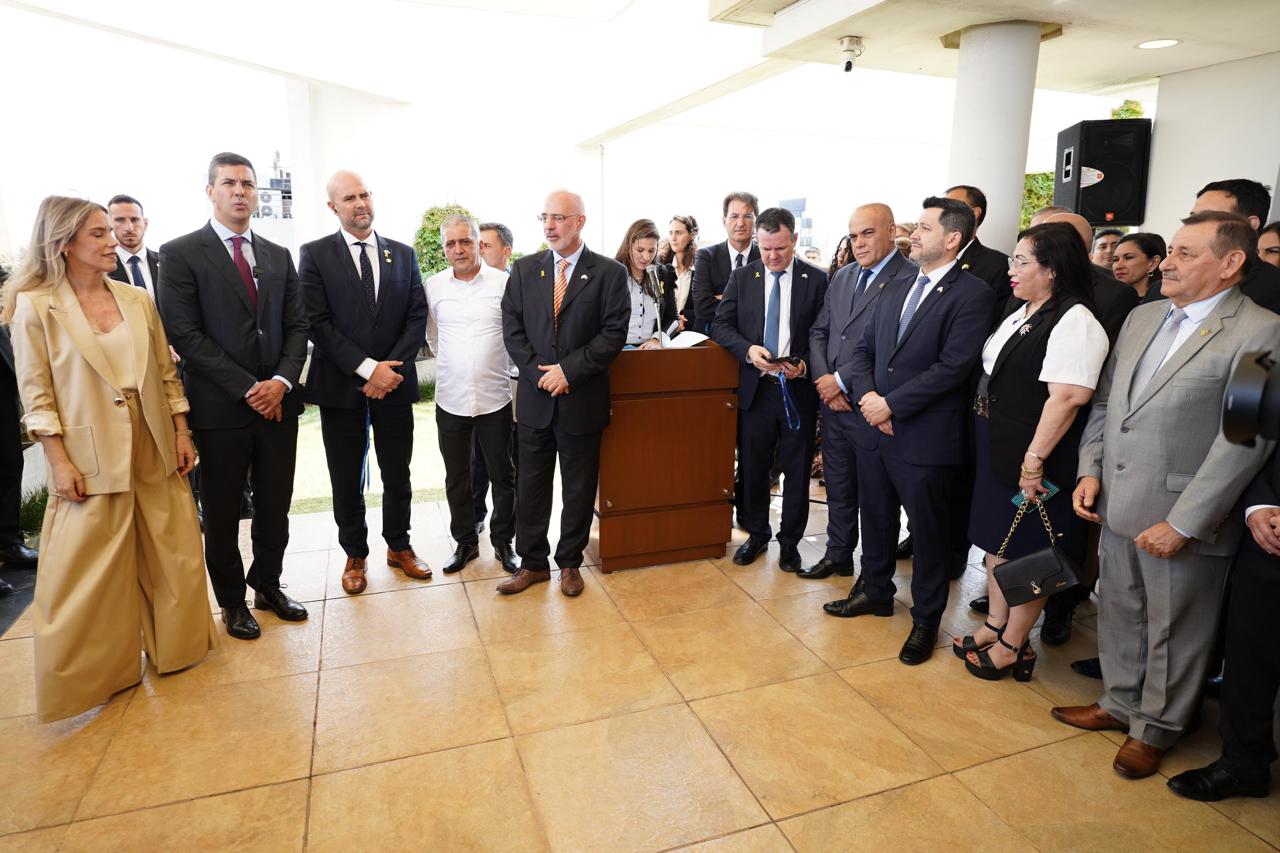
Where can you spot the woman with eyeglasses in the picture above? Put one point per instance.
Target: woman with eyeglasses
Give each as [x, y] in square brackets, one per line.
[1136, 262]
[651, 286]
[1040, 368]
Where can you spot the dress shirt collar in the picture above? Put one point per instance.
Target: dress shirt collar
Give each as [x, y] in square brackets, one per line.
[937, 275]
[572, 259]
[972, 240]
[124, 255]
[484, 274]
[881, 264]
[224, 233]
[733, 253]
[1198, 311]
[784, 279]
[352, 239]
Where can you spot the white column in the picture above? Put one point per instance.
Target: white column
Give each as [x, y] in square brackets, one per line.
[995, 84]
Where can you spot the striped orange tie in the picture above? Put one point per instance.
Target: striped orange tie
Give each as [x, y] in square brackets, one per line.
[562, 284]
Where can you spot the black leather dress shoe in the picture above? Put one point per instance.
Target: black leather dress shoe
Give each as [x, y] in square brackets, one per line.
[919, 645]
[981, 604]
[1056, 629]
[280, 604]
[507, 556]
[461, 556]
[1088, 667]
[903, 551]
[857, 604]
[788, 557]
[825, 568]
[749, 550]
[6, 588]
[240, 622]
[1213, 783]
[15, 555]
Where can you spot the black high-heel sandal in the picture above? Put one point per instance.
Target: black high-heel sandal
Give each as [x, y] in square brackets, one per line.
[1023, 664]
[969, 644]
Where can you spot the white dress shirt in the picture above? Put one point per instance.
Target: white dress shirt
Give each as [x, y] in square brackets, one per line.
[573, 263]
[934, 277]
[644, 314]
[246, 249]
[372, 242]
[145, 268]
[464, 330]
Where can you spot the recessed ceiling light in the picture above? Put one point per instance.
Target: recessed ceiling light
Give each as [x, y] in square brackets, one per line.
[1156, 44]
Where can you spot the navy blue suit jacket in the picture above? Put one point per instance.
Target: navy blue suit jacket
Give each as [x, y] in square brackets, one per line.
[344, 330]
[925, 378]
[739, 323]
[712, 267]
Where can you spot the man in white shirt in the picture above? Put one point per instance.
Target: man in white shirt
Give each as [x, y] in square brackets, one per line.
[135, 264]
[473, 389]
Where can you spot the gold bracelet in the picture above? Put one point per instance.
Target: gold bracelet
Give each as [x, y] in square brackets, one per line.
[1028, 473]
[183, 432]
[1034, 455]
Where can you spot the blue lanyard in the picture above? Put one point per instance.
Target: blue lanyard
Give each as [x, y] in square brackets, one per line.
[788, 405]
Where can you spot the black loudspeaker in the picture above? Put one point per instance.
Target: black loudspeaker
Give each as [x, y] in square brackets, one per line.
[1102, 170]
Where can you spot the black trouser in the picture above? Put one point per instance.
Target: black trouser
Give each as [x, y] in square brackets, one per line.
[271, 447]
[579, 457]
[346, 442]
[10, 461]
[765, 434]
[927, 492]
[840, 471]
[457, 435]
[1252, 677]
[480, 474]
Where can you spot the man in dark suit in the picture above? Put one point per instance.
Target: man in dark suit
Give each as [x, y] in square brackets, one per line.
[135, 264]
[848, 306]
[367, 315]
[1251, 200]
[496, 243]
[712, 265]
[911, 373]
[14, 554]
[990, 265]
[231, 306]
[564, 319]
[764, 320]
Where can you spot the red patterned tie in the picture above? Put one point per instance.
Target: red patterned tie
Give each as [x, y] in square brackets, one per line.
[562, 284]
[246, 274]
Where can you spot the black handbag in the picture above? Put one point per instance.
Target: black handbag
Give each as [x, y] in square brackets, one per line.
[1035, 575]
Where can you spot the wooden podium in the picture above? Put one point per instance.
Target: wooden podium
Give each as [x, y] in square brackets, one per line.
[666, 458]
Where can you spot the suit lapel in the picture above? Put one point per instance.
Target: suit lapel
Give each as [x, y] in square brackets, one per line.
[220, 260]
[342, 254]
[1024, 330]
[66, 311]
[1211, 326]
[800, 284]
[929, 300]
[580, 277]
[383, 256]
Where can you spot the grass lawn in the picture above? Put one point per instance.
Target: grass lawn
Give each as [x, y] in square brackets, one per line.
[311, 491]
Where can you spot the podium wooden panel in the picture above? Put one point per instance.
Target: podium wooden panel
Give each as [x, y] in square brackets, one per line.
[666, 458]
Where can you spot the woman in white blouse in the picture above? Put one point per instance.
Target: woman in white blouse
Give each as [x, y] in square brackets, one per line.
[682, 239]
[650, 286]
[1040, 368]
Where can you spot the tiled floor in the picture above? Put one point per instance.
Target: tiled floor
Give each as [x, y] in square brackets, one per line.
[701, 704]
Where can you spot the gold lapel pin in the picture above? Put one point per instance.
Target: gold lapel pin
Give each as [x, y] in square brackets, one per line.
[757, 275]
[1024, 329]
[386, 254]
[1204, 333]
[964, 266]
[542, 273]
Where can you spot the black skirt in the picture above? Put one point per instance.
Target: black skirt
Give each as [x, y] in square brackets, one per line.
[992, 511]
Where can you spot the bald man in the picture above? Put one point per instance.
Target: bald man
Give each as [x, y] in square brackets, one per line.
[564, 319]
[368, 314]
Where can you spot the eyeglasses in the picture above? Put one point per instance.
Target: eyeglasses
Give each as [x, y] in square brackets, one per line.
[1016, 263]
[557, 218]
[741, 217]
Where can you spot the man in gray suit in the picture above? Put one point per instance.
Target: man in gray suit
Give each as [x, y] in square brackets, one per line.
[1159, 476]
[832, 338]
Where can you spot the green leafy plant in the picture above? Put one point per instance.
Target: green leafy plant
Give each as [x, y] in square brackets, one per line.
[1129, 109]
[427, 390]
[32, 513]
[426, 242]
[1037, 192]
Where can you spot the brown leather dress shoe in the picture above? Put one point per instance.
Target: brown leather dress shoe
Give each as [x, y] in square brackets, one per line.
[571, 581]
[409, 563]
[353, 576]
[1137, 760]
[1090, 717]
[523, 579]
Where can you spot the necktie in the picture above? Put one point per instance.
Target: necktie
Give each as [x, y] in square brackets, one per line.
[738, 263]
[913, 302]
[1156, 351]
[246, 274]
[366, 277]
[863, 279]
[562, 284]
[771, 314]
[135, 272]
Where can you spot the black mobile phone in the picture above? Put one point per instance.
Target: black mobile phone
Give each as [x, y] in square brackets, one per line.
[786, 359]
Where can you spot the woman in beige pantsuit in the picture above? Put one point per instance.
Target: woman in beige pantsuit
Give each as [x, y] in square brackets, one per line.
[121, 568]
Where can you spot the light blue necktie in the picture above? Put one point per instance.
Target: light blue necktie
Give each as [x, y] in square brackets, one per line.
[135, 270]
[771, 315]
[913, 302]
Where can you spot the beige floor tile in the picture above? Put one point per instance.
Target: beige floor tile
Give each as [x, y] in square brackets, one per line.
[17, 674]
[196, 743]
[285, 648]
[539, 610]
[762, 839]
[561, 679]
[958, 719]
[664, 590]
[643, 781]
[1054, 678]
[365, 628]
[35, 841]
[814, 742]
[270, 818]
[314, 531]
[724, 649]
[302, 576]
[402, 707]
[22, 627]
[472, 798]
[46, 769]
[1065, 797]
[1259, 816]
[841, 642]
[763, 579]
[937, 814]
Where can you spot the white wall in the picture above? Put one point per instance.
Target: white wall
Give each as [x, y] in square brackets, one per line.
[1214, 123]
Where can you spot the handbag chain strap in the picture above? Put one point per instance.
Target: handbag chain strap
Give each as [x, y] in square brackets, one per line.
[1017, 519]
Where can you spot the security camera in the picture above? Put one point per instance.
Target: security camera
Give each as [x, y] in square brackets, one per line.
[850, 50]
